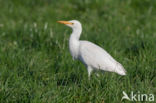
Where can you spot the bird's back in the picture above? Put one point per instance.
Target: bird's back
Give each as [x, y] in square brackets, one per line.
[96, 57]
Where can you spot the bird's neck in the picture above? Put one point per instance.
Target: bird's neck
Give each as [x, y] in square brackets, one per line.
[74, 42]
[76, 33]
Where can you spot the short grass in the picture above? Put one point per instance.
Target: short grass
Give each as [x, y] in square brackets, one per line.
[35, 63]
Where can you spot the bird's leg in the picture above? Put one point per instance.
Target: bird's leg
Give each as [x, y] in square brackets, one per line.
[89, 71]
[97, 74]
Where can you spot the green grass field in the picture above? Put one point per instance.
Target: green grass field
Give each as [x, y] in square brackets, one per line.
[35, 63]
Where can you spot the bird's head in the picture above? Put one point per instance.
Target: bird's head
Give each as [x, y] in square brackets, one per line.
[74, 24]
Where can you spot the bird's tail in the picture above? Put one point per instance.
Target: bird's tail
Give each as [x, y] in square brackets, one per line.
[120, 69]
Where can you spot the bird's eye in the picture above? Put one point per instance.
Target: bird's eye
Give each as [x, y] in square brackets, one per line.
[72, 23]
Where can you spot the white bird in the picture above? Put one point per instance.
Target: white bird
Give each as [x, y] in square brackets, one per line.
[91, 55]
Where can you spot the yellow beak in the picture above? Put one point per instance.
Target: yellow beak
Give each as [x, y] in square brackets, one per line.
[65, 22]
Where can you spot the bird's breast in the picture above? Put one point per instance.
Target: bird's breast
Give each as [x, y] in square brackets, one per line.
[74, 48]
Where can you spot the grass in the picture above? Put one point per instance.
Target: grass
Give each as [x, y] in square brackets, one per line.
[35, 63]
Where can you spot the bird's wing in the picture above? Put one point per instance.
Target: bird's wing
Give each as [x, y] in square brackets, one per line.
[96, 57]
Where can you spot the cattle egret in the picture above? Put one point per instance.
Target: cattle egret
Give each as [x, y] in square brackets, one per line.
[91, 55]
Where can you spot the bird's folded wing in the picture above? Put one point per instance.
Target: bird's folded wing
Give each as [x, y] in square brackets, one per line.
[96, 57]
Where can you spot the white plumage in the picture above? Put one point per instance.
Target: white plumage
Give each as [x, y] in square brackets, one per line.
[92, 56]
